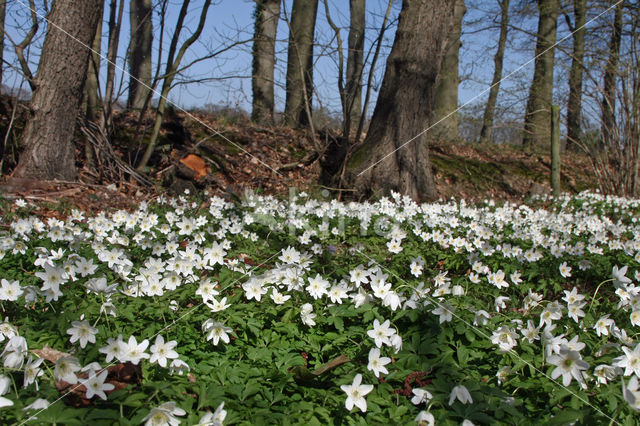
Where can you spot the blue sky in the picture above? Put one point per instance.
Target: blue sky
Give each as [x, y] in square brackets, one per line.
[228, 76]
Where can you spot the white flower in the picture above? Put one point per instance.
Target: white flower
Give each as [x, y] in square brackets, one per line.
[604, 372]
[216, 331]
[114, 349]
[161, 351]
[381, 333]
[618, 275]
[420, 396]
[317, 286]
[10, 290]
[38, 404]
[66, 368]
[481, 317]
[134, 352]
[278, 298]
[179, 366]
[444, 311]
[82, 331]
[425, 419]
[356, 393]
[164, 415]
[500, 303]
[503, 373]
[565, 270]
[377, 363]
[505, 338]
[5, 385]
[630, 361]
[96, 386]
[216, 418]
[307, 315]
[461, 393]
[631, 394]
[602, 325]
[218, 306]
[14, 353]
[569, 364]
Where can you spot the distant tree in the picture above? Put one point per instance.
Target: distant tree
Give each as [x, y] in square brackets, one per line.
[498, 61]
[299, 89]
[48, 135]
[537, 120]
[173, 61]
[92, 106]
[355, 63]
[267, 15]
[446, 100]
[141, 42]
[395, 154]
[574, 105]
[610, 76]
[3, 11]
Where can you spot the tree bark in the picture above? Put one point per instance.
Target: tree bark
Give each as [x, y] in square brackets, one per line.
[92, 99]
[48, 135]
[3, 11]
[498, 61]
[394, 154]
[267, 15]
[355, 64]
[446, 102]
[141, 13]
[574, 105]
[537, 120]
[299, 90]
[93, 77]
[608, 129]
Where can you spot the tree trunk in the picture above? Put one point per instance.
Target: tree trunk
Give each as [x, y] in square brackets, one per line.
[395, 153]
[498, 61]
[3, 11]
[264, 50]
[608, 130]
[446, 102]
[92, 105]
[93, 77]
[574, 105]
[141, 12]
[48, 135]
[537, 120]
[300, 63]
[355, 64]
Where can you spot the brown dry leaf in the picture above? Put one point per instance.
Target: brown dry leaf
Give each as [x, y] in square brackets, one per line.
[196, 164]
[50, 354]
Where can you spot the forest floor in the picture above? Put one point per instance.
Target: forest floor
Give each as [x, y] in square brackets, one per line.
[228, 155]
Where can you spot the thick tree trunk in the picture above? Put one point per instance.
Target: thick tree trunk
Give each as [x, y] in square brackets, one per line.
[574, 105]
[3, 11]
[264, 60]
[300, 63]
[537, 120]
[395, 152]
[355, 64]
[498, 61]
[608, 129]
[48, 135]
[140, 52]
[446, 102]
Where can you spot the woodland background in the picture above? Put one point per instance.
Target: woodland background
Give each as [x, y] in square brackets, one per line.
[268, 93]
